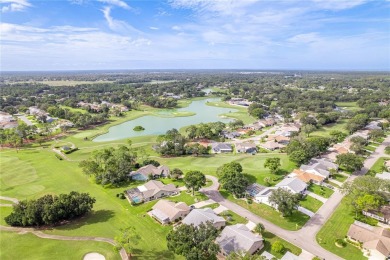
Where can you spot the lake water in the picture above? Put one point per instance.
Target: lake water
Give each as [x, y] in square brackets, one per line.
[155, 125]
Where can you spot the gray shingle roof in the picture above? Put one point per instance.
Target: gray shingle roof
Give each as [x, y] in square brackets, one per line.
[294, 184]
[198, 216]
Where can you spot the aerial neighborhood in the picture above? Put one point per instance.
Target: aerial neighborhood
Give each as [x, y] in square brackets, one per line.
[216, 166]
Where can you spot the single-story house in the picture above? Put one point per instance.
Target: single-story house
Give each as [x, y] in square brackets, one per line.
[327, 164]
[373, 126]
[272, 145]
[290, 256]
[221, 148]
[375, 240]
[150, 191]
[263, 196]
[317, 169]
[246, 147]
[231, 135]
[198, 216]
[331, 156]
[254, 189]
[307, 177]
[238, 238]
[144, 173]
[166, 211]
[382, 214]
[294, 185]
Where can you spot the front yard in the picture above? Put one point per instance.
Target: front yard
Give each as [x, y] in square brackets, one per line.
[270, 238]
[320, 190]
[293, 222]
[311, 203]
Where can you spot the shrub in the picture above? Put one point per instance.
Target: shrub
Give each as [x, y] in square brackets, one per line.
[138, 128]
[278, 247]
[58, 157]
[340, 243]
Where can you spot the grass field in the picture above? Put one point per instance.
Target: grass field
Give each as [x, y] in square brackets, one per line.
[377, 167]
[339, 177]
[188, 198]
[311, 203]
[337, 227]
[352, 106]
[39, 174]
[270, 238]
[320, 190]
[29, 246]
[232, 218]
[293, 222]
[325, 130]
[241, 114]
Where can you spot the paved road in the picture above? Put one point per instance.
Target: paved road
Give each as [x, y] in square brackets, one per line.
[304, 238]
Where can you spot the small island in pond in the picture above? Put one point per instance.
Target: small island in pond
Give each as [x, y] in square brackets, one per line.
[138, 128]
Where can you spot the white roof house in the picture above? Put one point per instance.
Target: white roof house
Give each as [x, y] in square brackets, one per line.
[294, 185]
[198, 216]
[238, 238]
[166, 211]
[290, 256]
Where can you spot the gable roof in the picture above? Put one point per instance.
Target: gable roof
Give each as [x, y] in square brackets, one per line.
[245, 145]
[316, 168]
[306, 176]
[222, 146]
[294, 184]
[237, 238]
[198, 216]
[151, 169]
[377, 238]
[152, 187]
[169, 208]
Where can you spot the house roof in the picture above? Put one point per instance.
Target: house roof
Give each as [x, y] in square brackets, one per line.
[222, 146]
[198, 216]
[152, 187]
[169, 208]
[377, 238]
[151, 169]
[289, 256]
[316, 168]
[267, 256]
[272, 145]
[237, 238]
[325, 163]
[306, 176]
[294, 184]
[383, 175]
[245, 145]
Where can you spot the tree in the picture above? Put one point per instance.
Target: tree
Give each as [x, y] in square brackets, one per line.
[308, 129]
[359, 140]
[358, 148]
[376, 134]
[337, 136]
[273, 164]
[349, 161]
[126, 239]
[278, 247]
[194, 243]
[236, 124]
[231, 177]
[370, 202]
[194, 180]
[285, 201]
[260, 228]
[387, 150]
[176, 173]
[151, 161]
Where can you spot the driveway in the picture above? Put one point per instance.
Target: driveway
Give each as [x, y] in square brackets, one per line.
[26, 120]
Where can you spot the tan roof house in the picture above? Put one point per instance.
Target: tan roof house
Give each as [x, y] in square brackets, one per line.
[307, 176]
[272, 145]
[144, 173]
[166, 211]
[375, 240]
[150, 191]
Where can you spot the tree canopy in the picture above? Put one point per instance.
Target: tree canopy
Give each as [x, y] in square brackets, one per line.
[232, 179]
[194, 180]
[285, 201]
[194, 243]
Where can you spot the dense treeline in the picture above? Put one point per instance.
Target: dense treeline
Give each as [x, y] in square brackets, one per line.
[50, 209]
[301, 150]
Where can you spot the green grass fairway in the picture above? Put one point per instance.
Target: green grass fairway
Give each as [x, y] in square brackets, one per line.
[325, 130]
[109, 215]
[294, 222]
[320, 190]
[270, 238]
[28, 246]
[352, 106]
[337, 227]
[311, 203]
[241, 114]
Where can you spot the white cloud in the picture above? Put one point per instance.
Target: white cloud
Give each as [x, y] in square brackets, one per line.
[118, 3]
[118, 25]
[153, 28]
[14, 5]
[178, 28]
[337, 5]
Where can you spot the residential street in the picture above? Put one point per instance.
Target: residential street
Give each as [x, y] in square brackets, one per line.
[304, 238]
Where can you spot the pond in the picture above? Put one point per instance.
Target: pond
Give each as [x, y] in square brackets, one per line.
[156, 125]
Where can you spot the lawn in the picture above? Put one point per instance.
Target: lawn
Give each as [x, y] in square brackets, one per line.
[320, 190]
[28, 246]
[311, 203]
[270, 238]
[377, 167]
[188, 198]
[325, 130]
[339, 177]
[293, 222]
[337, 227]
[33, 173]
[352, 106]
[233, 218]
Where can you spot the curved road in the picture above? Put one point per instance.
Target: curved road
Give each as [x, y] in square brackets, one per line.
[304, 238]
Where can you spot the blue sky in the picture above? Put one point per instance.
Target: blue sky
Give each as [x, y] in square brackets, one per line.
[195, 34]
